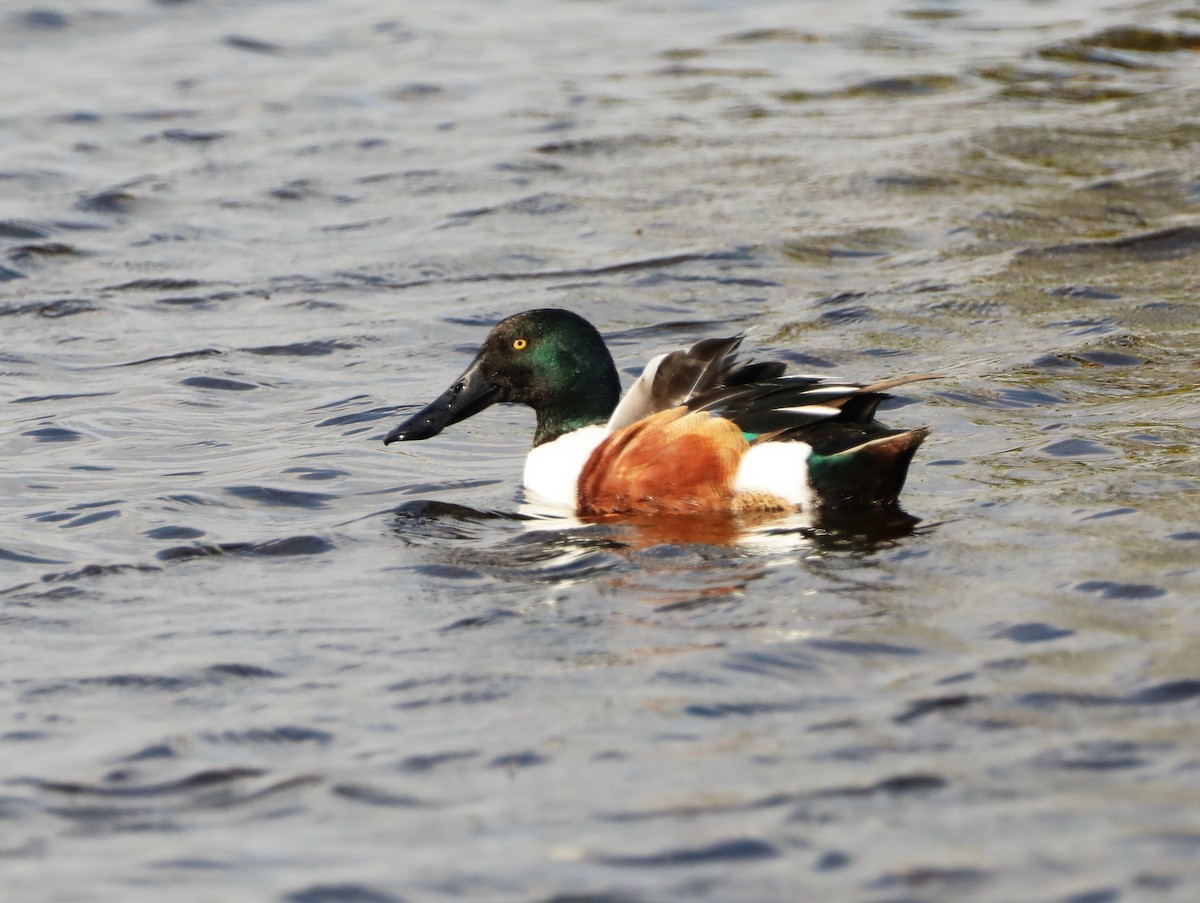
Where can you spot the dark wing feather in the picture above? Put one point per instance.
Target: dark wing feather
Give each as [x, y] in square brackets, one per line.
[683, 375]
[861, 408]
[755, 395]
[752, 397]
[707, 370]
[755, 372]
[783, 405]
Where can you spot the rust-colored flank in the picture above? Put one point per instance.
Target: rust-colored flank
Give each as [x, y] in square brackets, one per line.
[672, 462]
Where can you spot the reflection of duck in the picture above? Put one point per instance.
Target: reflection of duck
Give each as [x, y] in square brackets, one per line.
[699, 431]
[763, 530]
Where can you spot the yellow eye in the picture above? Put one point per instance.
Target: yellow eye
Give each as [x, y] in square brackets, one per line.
[520, 344]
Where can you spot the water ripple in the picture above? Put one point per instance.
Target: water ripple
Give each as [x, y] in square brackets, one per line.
[736, 850]
[283, 546]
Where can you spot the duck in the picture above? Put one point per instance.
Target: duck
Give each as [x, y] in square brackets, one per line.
[700, 430]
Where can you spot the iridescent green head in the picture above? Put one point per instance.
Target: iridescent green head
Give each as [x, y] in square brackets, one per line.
[552, 360]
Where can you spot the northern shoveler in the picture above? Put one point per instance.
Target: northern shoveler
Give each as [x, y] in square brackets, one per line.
[698, 431]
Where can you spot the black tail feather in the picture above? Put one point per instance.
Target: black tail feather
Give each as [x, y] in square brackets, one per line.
[872, 473]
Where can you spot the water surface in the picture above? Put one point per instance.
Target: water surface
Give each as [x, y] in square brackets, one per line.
[249, 653]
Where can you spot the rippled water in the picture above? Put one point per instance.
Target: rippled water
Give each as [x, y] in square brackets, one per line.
[251, 654]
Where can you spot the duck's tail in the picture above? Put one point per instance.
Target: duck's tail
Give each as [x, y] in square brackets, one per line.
[871, 473]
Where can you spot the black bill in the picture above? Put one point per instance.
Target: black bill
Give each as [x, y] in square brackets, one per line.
[469, 395]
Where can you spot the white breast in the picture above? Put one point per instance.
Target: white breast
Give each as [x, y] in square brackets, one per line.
[552, 469]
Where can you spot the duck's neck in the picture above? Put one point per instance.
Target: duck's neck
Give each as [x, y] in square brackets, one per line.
[589, 400]
[552, 424]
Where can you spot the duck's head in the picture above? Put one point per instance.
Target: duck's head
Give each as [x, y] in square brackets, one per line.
[552, 360]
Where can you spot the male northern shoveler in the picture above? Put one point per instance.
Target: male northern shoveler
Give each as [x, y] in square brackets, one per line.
[698, 430]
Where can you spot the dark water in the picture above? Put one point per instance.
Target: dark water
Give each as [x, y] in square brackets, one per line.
[249, 654]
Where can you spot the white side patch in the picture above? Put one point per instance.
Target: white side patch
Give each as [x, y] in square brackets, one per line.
[780, 468]
[552, 469]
